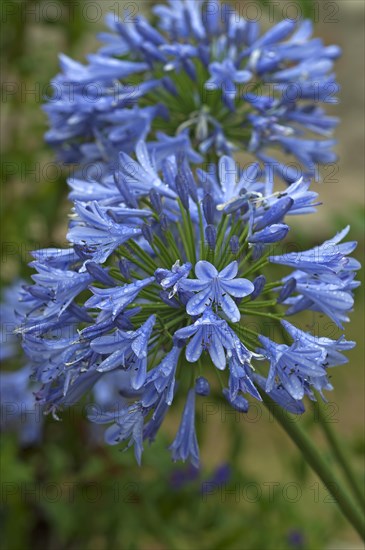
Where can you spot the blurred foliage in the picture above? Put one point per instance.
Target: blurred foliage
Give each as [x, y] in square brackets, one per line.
[72, 492]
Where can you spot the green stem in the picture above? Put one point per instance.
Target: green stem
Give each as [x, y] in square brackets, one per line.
[336, 447]
[318, 464]
[276, 317]
[201, 233]
[338, 451]
[258, 265]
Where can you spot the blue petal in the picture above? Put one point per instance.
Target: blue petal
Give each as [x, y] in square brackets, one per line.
[230, 271]
[238, 287]
[199, 302]
[139, 372]
[194, 348]
[205, 271]
[216, 352]
[193, 285]
[230, 308]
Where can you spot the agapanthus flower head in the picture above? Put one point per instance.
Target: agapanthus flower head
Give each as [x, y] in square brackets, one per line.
[203, 71]
[162, 290]
[167, 292]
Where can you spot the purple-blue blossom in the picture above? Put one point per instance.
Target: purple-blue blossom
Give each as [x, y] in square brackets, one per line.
[215, 288]
[167, 288]
[215, 54]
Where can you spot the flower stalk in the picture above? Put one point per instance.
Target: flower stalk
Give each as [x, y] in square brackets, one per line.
[339, 452]
[318, 464]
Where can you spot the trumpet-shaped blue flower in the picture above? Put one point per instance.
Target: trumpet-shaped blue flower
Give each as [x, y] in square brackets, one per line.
[161, 379]
[126, 350]
[118, 298]
[240, 377]
[331, 348]
[173, 278]
[185, 444]
[57, 288]
[209, 333]
[216, 288]
[128, 425]
[95, 230]
[224, 77]
[329, 257]
[293, 365]
[280, 395]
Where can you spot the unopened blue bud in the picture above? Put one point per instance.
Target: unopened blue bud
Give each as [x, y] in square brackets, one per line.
[189, 68]
[189, 178]
[156, 202]
[234, 244]
[287, 290]
[172, 302]
[202, 386]
[164, 222]
[208, 208]
[147, 233]
[124, 268]
[275, 213]
[259, 284]
[211, 236]
[182, 190]
[271, 234]
[99, 273]
[204, 54]
[169, 85]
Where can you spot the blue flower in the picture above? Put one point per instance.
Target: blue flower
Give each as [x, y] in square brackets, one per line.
[56, 257]
[331, 348]
[224, 76]
[161, 379]
[293, 365]
[110, 315]
[328, 258]
[209, 333]
[140, 177]
[213, 287]
[230, 189]
[96, 231]
[118, 298]
[324, 278]
[240, 376]
[185, 444]
[281, 396]
[172, 278]
[100, 68]
[128, 426]
[51, 357]
[128, 324]
[57, 288]
[19, 412]
[127, 350]
[334, 298]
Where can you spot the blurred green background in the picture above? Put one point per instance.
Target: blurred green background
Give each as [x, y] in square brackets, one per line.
[254, 490]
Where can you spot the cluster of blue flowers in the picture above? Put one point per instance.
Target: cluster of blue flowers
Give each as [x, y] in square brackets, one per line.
[204, 72]
[170, 265]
